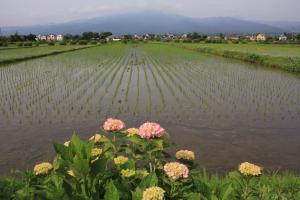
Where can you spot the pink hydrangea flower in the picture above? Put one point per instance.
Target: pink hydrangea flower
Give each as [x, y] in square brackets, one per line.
[151, 130]
[113, 125]
[176, 170]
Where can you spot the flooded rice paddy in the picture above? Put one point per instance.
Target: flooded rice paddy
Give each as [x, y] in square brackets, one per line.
[226, 111]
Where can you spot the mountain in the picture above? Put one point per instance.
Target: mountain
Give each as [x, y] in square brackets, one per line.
[149, 22]
[291, 26]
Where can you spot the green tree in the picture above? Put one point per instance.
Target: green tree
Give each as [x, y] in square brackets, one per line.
[104, 35]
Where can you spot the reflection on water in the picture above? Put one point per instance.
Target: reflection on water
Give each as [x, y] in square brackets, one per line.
[224, 110]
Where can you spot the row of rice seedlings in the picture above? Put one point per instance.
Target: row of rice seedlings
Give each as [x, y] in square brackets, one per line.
[97, 89]
[109, 83]
[158, 86]
[174, 81]
[187, 81]
[60, 95]
[185, 113]
[136, 107]
[108, 71]
[117, 91]
[219, 86]
[128, 84]
[166, 81]
[149, 93]
[168, 90]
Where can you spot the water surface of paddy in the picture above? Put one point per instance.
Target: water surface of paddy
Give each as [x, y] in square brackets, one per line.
[226, 111]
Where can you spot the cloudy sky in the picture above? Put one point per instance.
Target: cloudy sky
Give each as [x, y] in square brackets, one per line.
[30, 12]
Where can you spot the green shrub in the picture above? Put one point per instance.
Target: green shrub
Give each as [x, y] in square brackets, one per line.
[196, 40]
[187, 41]
[73, 42]
[103, 41]
[62, 43]
[20, 44]
[82, 42]
[27, 44]
[3, 44]
[93, 42]
[51, 43]
[224, 41]
[254, 58]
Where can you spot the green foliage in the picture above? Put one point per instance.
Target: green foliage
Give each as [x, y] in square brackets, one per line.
[27, 44]
[73, 42]
[93, 42]
[20, 44]
[51, 43]
[3, 44]
[103, 41]
[82, 42]
[187, 41]
[78, 174]
[62, 43]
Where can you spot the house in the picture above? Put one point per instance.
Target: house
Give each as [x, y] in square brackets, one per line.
[113, 38]
[184, 36]
[148, 36]
[257, 37]
[41, 37]
[59, 38]
[213, 37]
[261, 37]
[231, 37]
[51, 37]
[138, 37]
[282, 37]
[251, 37]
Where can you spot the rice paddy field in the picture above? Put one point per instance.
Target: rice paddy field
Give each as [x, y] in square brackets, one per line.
[274, 50]
[227, 111]
[12, 54]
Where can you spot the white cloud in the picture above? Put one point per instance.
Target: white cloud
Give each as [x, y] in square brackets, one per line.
[16, 12]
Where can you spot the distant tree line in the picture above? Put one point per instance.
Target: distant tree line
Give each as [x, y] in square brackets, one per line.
[88, 36]
[30, 39]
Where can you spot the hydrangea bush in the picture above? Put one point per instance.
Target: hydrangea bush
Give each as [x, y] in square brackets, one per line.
[133, 164]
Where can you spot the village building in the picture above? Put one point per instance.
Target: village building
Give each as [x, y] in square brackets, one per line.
[138, 37]
[213, 37]
[51, 37]
[41, 37]
[184, 36]
[113, 38]
[261, 37]
[59, 38]
[231, 37]
[282, 37]
[257, 37]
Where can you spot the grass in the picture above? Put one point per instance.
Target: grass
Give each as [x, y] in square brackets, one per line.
[285, 57]
[20, 54]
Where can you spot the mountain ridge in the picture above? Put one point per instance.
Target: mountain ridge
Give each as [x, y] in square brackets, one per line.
[152, 22]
